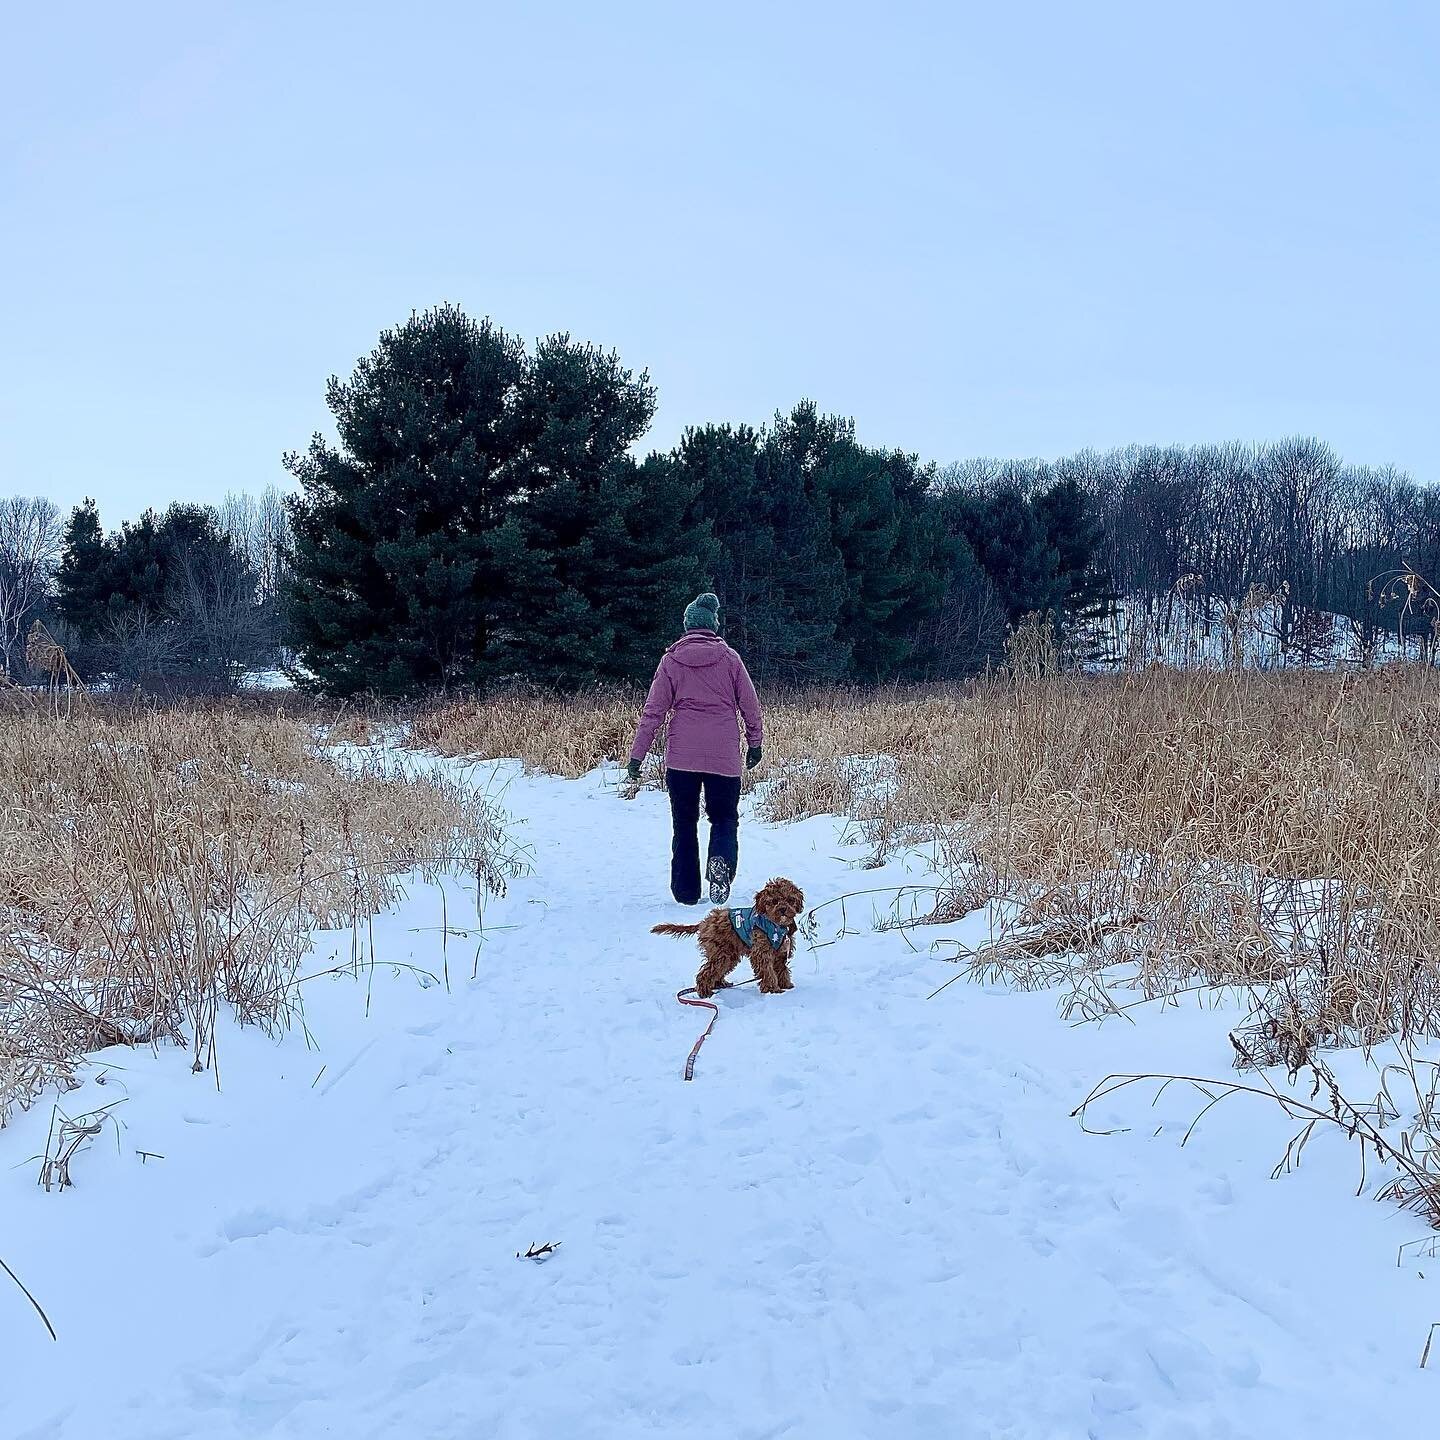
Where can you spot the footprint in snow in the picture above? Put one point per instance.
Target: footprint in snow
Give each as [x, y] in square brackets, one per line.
[243, 1225]
[860, 1149]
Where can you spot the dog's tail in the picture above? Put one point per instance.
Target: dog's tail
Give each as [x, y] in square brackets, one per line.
[674, 929]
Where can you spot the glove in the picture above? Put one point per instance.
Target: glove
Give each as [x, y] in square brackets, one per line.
[752, 757]
[633, 770]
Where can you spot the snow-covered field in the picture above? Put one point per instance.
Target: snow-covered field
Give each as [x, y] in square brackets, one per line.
[869, 1216]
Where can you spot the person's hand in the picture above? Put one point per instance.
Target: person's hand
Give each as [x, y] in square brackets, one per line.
[632, 771]
[752, 757]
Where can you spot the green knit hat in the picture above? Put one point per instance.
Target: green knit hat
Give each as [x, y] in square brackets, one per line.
[703, 613]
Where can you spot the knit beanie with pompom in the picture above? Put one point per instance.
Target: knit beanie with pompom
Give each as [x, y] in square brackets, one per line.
[703, 613]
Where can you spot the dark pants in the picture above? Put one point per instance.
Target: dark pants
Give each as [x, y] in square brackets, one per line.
[722, 809]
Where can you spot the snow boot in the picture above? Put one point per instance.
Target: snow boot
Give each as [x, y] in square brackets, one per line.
[717, 872]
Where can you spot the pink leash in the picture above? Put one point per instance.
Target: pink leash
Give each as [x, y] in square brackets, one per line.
[705, 1033]
[715, 1015]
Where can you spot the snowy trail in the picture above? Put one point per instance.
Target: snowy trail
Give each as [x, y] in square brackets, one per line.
[868, 1215]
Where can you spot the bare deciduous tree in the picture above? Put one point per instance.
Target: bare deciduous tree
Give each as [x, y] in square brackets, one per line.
[138, 650]
[258, 526]
[221, 626]
[31, 532]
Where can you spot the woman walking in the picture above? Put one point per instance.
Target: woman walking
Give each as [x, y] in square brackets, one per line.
[700, 686]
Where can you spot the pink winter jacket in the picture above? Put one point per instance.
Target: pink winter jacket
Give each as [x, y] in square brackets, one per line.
[700, 685]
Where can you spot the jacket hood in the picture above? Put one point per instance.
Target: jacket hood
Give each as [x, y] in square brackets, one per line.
[698, 648]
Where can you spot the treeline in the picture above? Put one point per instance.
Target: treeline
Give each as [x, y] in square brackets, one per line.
[483, 518]
[191, 598]
[1207, 525]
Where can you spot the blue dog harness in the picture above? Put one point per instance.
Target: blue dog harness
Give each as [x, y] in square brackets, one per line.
[745, 922]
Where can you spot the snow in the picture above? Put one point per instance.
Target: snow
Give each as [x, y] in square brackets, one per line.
[267, 680]
[870, 1215]
[1192, 633]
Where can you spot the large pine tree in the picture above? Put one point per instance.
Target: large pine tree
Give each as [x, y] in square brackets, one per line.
[600, 553]
[105, 579]
[483, 518]
[830, 558]
[395, 580]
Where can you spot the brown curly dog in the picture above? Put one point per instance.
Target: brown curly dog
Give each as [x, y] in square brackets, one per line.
[724, 945]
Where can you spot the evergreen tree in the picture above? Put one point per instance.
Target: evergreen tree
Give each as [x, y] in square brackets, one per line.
[395, 580]
[830, 559]
[966, 634]
[111, 589]
[85, 580]
[141, 557]
[600, 552]
[719, 467]
[1010, 541]
[805, 585]
[892, 548]
[776, 569]
[164, 596]
[663, 559]
[1074, 534]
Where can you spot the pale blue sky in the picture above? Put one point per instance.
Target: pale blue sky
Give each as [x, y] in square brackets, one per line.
[1010, 229]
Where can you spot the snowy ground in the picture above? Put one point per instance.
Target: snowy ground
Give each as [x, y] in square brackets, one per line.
[869, 1216]
[1192, 634]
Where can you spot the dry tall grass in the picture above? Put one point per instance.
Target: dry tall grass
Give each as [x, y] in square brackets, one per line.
[158, 864]
[1273, 829]
[569, 737]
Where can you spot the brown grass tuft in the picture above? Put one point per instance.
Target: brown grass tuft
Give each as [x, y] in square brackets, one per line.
[558, 736]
